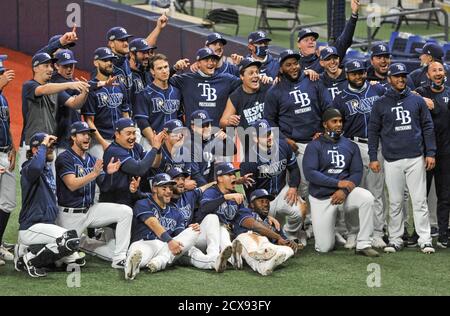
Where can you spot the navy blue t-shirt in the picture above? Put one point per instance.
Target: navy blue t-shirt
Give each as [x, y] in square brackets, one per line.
[249, 106]
[187, 203]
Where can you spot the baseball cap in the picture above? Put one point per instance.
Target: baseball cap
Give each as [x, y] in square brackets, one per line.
[258, 36]
[287, 54]
[247, 62]
[103, 53]
[327, 52]
[215, 37]
[162, 179]
[261, 193]
[65, 57]
[206, 52]
[433, 49]
[140, 45]
[330, 113]
[41, 58]
[224, 168]
[37, 139]
[176, 172]
[56, 38]
[306, 32]
[354, 65]
[262, 127]
[397, 69]
[2, 59]
[117, 33]
[173, 126]
[380, 49]
[124, 123]
[201, 115]
[80, 127]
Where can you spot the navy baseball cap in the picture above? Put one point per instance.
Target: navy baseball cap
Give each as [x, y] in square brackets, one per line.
[215, 37]
[140, 45]
[117, 33]
[124, 123]
[41, 58]
[397, 69]
[380, 49]
[80, 127]
[206, 52]
[247, 62]
[433, 49]
[174, 126]
[354, 66]
[162, 179]
[201, 115]
[258, 36]
[287, 54]
[2, 59]
[330, 113]
[224, 168]
[176, 172]
[65, 57]
[307, 32]
[103, 53]
[261, 193]
[37, 139]
[327, 52]
[56, 38]
[262, 127]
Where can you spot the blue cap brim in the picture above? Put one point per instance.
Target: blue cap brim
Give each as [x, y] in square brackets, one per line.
[67, 62]
[270, 197]
[90, 130]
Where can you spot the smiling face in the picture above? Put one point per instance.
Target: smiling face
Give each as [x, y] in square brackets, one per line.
[331, 64]
[217, 48]
[436, 73]
[398, 82]
[179, 188]
[290, 68]
[126, 137]
[43, 72]
[160, 70]
[357, 79]
[261, 206]
[250, 78]
[105, 67]
[333, 125]
[162, 194]
[208, 65]
[381, 64]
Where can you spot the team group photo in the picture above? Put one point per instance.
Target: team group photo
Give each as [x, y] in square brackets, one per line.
[146, 149]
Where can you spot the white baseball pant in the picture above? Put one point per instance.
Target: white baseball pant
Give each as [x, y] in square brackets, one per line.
[410, 173]
[99, 215]
[323, 215]
[287, 213]
[7, 186]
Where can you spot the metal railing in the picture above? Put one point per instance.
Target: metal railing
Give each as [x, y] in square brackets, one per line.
[370, 34]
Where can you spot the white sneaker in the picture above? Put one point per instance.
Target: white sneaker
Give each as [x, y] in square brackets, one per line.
[263, 254]
[351, 242]
[132, 265]
[2, 263]
[152, 267]
[427, 248]
[270, 265]
[309, 232]
[339, 239]
[221, 261]
[237, 254]
[378, 242]
[5, 254]
[302, 238]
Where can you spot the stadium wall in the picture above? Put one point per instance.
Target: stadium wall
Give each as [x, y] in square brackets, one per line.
[26, 26]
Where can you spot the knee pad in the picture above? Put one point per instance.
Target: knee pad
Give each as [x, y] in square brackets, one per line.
[68, 243]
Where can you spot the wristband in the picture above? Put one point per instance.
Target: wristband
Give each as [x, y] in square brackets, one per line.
[165, 237]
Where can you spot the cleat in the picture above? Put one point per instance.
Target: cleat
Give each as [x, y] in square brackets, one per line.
[132, 265]
[5, 254]
[118, 264]
[221, 261]
[237, 254]
[368, 252]
[32, 270]
[427, 248]
[351, 242]
[392, 248]
[378, 242]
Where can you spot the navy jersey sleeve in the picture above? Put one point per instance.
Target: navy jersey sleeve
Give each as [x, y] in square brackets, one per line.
[64, 166]
[63, 96]
[177, 81]
[325, 99]
[356, 166]
[51, 48]
[33, 170]
[138, 167]
[311, 167]
[29, 89]
[209, 203]
[428, 129]
[345, 40]
[142, 211]
[242, 214]
[125, 106]
[374, 129]
[141, 107]
[292, 166]
[90, 106]
[180, 225]
[271, 107]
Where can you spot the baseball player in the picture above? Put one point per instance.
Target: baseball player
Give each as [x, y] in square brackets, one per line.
[402, 121]
[134, 163]
[437, 98]
[307, 42]
[187, 202]
[333, 77]
[7, 162]
[268, 162]
[40, 241]
[159, 236]
[205, 89]
[140, 54]
[76, 174]
[262, 252]
[158, 103]
[295, 105]
[106, 105]
[216, 42]
[355, 104]
[333, 167]
[380, 60]
[258, 46]
[57, 42]
[430, 52]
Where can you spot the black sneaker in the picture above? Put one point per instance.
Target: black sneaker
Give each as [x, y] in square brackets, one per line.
[392, 248]
[118, 265]
[434, 232]
[413, 240]
[32, 270]
[405, 236]
[442, 242]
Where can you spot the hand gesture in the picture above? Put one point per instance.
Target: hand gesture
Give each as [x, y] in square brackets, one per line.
[194, 67]
[182, 64]
[293, 144]
[6, 78]
[162, 21]
[159, 139]
[113, 167]
[430, 162]
[190, 184]
[355, 6]
[134, 184]
[80, 86]
[69, 37]
[274, 222]
[237, 197]
[247, 180]
[236, 59]
[195, 227]
[110, 82]
[313, 76]
[98, 167]
[265, 79]
[49, 140]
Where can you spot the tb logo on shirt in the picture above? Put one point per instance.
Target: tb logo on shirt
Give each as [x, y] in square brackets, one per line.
[336, 159]
[208, 92]
[300, 98]
[404, 116]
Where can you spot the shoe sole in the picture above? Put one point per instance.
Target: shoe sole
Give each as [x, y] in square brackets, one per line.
[133, 264]
[389, 250]
[428, 250]
[152, 268]
[280, 258]
[237, 254]
[441, 245]
[267, 255]
[31, 274]
[367, 253]
[224, 256]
